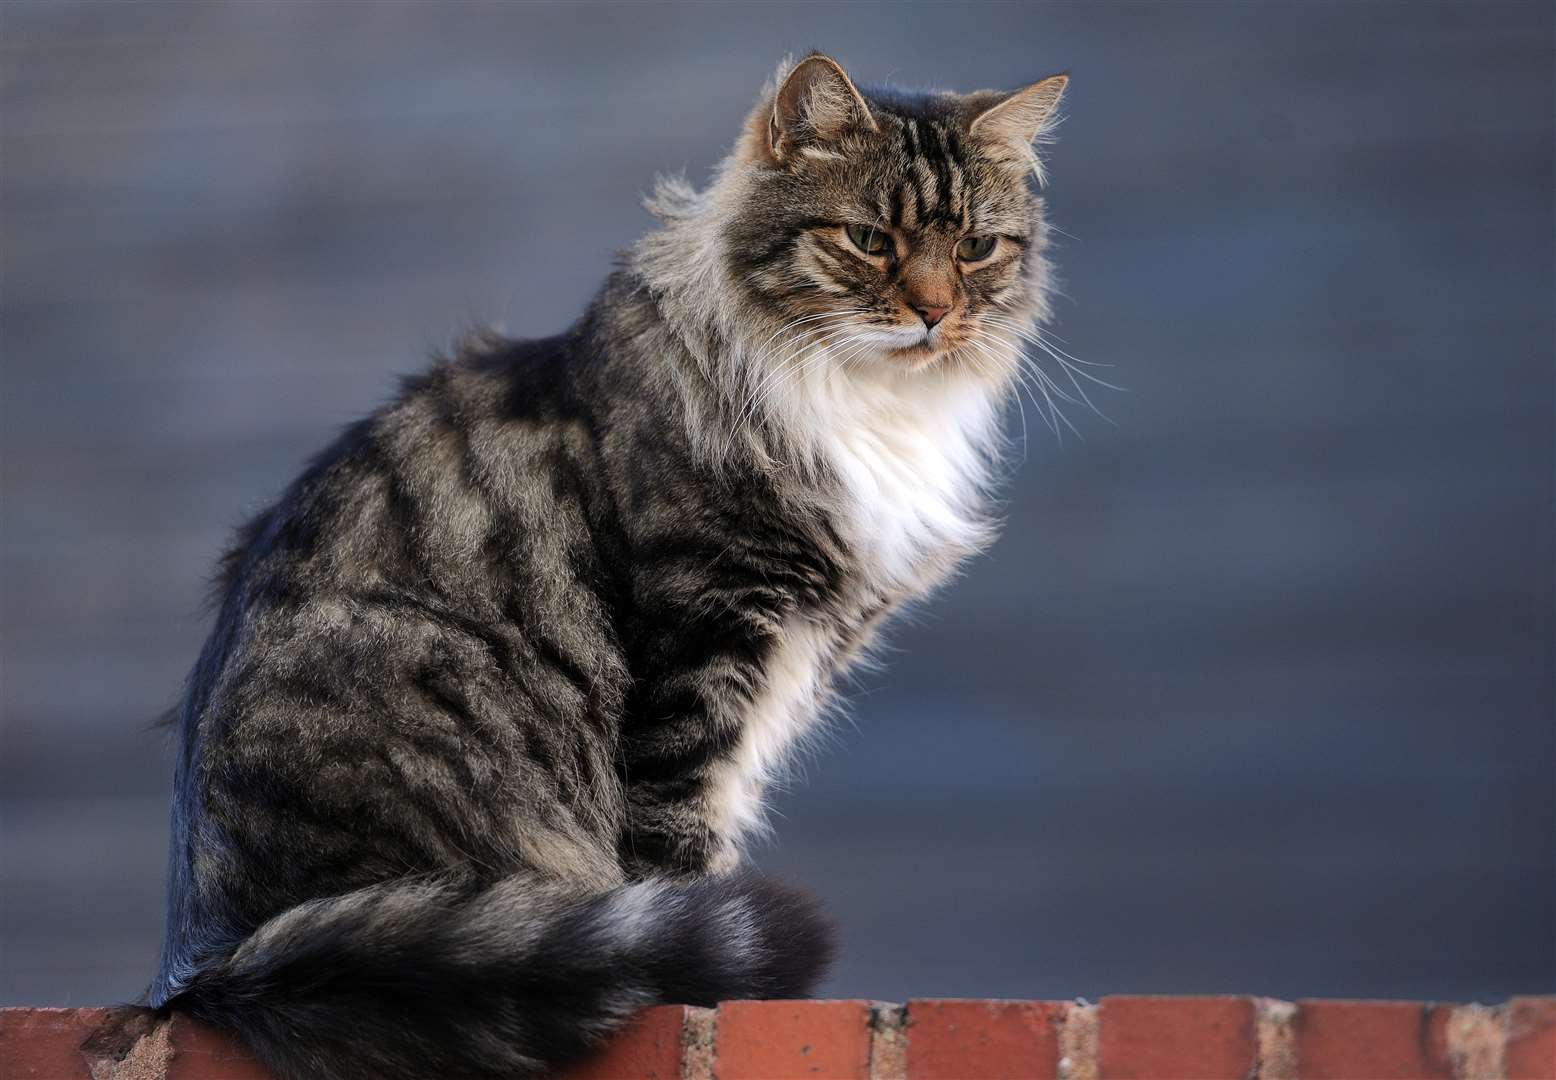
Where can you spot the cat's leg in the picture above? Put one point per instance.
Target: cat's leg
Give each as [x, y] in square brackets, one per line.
[694, 743]
[678, 740]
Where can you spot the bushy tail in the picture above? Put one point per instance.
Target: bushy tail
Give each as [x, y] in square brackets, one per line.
[416, 980]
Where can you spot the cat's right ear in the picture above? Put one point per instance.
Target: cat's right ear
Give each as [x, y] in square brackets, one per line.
[814, 103]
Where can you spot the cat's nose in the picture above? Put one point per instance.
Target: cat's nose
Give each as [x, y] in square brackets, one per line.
[930, 314]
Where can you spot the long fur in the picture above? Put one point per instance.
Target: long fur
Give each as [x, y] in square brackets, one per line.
[424, 979]
[498, 686]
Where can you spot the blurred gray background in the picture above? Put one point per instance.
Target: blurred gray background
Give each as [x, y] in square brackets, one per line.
[1255, 694]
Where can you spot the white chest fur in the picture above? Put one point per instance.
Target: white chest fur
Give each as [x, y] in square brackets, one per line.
[912, 464]
[913, 460]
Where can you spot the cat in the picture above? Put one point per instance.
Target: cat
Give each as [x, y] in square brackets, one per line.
[495, 688]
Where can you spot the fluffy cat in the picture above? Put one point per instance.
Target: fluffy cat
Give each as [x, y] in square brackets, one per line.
[496, 686]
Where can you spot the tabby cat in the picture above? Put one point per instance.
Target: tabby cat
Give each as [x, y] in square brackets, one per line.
[496, 686]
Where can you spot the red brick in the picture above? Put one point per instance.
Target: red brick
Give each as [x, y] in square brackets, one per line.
[1177, 1038]
[1531, 1038]
[45, 1044]
[785, 1040]
[648, 1049]
[984, 1040]
[201, 1052]
[1380, 1040]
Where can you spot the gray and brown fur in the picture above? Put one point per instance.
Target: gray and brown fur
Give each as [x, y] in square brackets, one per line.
[495, 686]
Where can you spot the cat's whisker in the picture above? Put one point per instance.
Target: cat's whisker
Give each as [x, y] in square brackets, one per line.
[761, 362]
[1068, 361]
[793, 367]
[818, 355]
[1053, 410]
[1021, 405]
[1049, 337]
[1048, 380]
[981, 341]
[822, 322]
[857, 347]
[1047, 384]
[848, 347]
[802, 339]
[985, 346]
[1033, 332]
[1035, 336]
[1036, 381]
[798, 365]
[1071, 372]
[814, 317]
[1046, 414]
[1021, 410]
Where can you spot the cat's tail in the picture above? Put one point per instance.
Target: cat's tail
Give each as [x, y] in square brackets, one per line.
[416, 980]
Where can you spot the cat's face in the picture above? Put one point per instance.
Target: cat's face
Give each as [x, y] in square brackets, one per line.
[900, 230]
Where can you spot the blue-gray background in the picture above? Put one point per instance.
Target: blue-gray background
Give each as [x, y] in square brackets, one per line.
[1255, 694]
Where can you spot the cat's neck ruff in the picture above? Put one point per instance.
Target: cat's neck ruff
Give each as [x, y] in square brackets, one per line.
[905, 455]
[913, 452]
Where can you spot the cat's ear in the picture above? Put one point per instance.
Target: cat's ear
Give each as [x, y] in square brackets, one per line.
[815, 102]
[1011, 123]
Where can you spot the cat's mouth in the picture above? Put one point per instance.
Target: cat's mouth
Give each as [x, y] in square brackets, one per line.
[917, 346]
[928, 343]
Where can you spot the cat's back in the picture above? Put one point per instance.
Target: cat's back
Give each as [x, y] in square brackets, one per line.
[403, 627]
[413, 472]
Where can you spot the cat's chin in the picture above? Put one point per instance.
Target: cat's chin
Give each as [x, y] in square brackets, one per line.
[928, 351]
[915, 360]
[922, 346]
[918, 354]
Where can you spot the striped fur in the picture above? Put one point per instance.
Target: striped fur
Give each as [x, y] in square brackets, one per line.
[496, 687]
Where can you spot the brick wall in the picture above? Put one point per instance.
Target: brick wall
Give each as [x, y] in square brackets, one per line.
[1160, 1038]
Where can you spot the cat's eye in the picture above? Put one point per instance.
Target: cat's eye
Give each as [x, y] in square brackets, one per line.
[974, 248]
[870, 240]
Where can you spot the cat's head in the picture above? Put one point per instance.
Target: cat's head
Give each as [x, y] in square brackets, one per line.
[903, 229]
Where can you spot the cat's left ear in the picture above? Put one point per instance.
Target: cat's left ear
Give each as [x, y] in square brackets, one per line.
[1013, 122]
